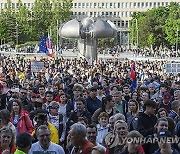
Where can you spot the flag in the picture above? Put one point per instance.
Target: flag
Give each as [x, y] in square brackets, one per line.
[133, 77]
[50, 48]
[46, 46]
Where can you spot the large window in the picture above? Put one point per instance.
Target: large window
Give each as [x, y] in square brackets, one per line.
[122, 5]
[126, 25]
[95, 4]
[79, 5]
[119, 5]
[122, 23]
[130, 4]
[111, 5]
[95, 14]
[138, 5]
[154, 4]
[142, 4]
[146, 4]
[119, 23]
[75, 5]
[83, 5]
[87, 5]
[126, 14]
[150, 4]
[102, 5]
[135, 4]
[126, 5]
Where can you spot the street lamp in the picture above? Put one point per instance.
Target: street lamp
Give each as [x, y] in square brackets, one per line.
[177, 39]
[16, 33]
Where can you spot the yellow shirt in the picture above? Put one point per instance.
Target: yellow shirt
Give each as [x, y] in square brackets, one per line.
[54, 133]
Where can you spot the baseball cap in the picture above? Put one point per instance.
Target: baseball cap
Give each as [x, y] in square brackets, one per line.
[15, 90]
[93, 88]
[33, 95]
[24, 140]
[167, 97]
[164, 133]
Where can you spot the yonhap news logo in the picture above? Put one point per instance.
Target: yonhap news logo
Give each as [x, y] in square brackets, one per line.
[146, 140]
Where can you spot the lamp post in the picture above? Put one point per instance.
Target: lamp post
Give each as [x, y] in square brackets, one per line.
[177, 31]
[16, 33]
[137, 34]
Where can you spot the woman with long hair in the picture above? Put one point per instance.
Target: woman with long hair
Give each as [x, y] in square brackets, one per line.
[107, 106]
[63, 106]
[20, 119]
[7, 141]
[132, 115]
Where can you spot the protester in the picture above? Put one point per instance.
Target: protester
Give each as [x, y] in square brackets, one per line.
[23, 143]
[132, 115]
[147, 119]
[5, 121]
[93, 103]
[41, 119]
[7, 140]
[98, 150]
[62, 83]
[107, 106]
[78, 139]
[20, 119]
[44, 143]
[92, 137]
[165, 147]
[134, 146]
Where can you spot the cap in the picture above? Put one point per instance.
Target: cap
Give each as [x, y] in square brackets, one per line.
[164, 133]
[167, 97]
[33, 95]
[15, 90]
[93, 88]
[24, 140]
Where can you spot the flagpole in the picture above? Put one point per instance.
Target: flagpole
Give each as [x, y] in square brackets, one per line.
[57, 44]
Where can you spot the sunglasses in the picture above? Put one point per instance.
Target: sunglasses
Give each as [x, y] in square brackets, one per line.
[54, 107]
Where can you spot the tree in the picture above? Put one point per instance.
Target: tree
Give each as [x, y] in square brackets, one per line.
[172, 24]
[22, 22]
[8, 15]
[41, 17]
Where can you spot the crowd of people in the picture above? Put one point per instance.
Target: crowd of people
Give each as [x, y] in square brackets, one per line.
[70, 107]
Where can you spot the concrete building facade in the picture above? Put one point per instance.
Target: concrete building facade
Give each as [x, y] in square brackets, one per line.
[118, 11]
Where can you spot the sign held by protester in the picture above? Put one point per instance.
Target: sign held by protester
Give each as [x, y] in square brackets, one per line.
[37, 66]
[173, 68]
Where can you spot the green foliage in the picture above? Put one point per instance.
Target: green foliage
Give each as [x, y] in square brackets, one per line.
[105, 43]
[156, 27]
[31, 24]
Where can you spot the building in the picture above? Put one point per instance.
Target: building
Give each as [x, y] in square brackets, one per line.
[118, 11]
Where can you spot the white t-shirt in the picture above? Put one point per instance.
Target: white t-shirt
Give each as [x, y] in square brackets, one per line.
[53, 149]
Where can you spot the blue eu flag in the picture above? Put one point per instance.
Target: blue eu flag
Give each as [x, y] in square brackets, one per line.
[42, 46]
